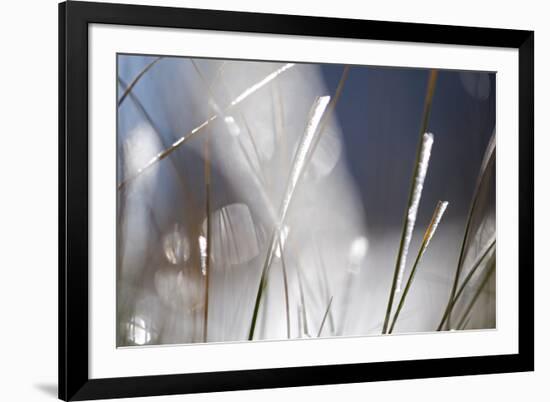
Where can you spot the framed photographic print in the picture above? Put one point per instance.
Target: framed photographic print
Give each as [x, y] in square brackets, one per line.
[257, 200]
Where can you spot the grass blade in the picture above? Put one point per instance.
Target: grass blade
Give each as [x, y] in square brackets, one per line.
[324, 318]
[488, 159]
[423, 127]
[318, 109]
[463, 326]
[330, 109]
[285, 283]
[302, 301]
[326, 285]
[304, 149]
[471, 272]
[164, 153]
[482, 285]
[432, 227]
[229, 120]
[348, 291]
[250, 90]
[137, 103]
[427, 142]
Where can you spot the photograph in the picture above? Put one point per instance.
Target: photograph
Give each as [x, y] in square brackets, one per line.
[273, 200]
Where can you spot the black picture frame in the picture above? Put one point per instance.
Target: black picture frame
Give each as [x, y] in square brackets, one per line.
[74, 18]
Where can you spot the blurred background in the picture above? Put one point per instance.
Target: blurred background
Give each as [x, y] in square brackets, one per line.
[329, 273]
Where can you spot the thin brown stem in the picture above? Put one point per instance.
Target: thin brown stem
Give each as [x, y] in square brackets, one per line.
[161, 139]
[137, 78]
[190, 134]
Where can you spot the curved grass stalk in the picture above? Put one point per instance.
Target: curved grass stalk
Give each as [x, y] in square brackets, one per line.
[406, 221]
[141, 109]
[472, 271]
[304, 149]
[161, 139]
[483, 283]
[136, 79]
[432, 227]
[489, 156]
[330, 108]
[297, 168]
[164, 153]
